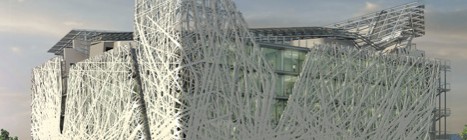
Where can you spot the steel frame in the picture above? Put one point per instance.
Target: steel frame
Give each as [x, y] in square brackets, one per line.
[390, 28]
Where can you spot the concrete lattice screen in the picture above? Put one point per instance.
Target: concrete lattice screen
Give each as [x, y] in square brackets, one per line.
[191, 74]
[203, 77]
[354, 94]
[101, 98]
[46, 99]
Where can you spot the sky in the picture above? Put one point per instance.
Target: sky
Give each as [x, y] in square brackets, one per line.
[28, 28]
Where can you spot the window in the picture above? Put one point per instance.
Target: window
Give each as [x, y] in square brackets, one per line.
[272, 56]
[284, 85]
[107, 48]
[289, 82]
[292, 60]
[278, 109]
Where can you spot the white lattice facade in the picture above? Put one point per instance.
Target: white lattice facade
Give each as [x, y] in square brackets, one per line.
[204, 77]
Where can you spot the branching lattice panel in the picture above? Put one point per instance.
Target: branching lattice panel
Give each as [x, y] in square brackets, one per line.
[101, 98]
[205, 79]
[46, 99]
[352, 94]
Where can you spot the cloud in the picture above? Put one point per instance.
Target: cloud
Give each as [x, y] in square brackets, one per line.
[302, 13]
[16, 50]
[446, 34]
[52, 21]
[19, 22]
[447, 21]
[73, 23]
[446, 38]
[369, 7]
[440, 46]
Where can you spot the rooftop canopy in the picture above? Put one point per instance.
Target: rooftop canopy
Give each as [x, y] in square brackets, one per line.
[88, 35]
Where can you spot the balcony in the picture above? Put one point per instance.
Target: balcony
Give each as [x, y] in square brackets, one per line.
[440, 113]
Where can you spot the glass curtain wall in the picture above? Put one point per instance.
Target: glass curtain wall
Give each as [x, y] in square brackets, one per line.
[287, 64]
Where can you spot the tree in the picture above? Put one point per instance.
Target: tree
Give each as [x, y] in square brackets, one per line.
[464, 133]
[5, 135]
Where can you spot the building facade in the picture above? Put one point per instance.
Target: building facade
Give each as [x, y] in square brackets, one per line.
[193, 70]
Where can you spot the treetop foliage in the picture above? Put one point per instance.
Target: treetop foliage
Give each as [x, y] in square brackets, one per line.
[5, 135]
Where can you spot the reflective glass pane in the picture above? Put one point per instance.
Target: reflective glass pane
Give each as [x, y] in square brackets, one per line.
[290, 60]
[279, 107]
[288, 83]
[273, 57]
[301, 60]
[279, 88]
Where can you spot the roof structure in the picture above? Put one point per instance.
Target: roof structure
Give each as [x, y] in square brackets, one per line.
[289, 33]
[378, 30]
[305, 32]
[387, 27]
[88, 35]
[298, 33]
[113, 36]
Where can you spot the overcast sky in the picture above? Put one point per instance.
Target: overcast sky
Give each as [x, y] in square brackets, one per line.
[28, 28]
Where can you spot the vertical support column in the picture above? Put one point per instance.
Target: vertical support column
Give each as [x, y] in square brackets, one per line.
[433, 126]
[142, 103]
[445, 68]
[442, 111]
[64, 79]
[440, 92]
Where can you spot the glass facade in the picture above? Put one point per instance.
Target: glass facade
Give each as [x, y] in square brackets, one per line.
[287, 64]
[286, 60]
